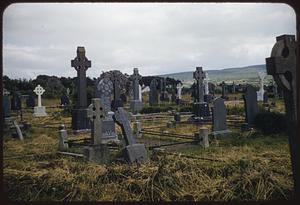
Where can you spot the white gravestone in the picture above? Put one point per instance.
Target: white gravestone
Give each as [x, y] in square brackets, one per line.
[140, 93]
[39, 111]
[206, 90]
[260, 93]
[179, 89]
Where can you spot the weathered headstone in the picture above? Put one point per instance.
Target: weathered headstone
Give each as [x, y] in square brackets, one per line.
[6, 104]
[164, 97]
[224, 90]
[202, 137]
[64, 100]
[104, 91]
[219, 117]
[282, 66]
[133, 152]
[153, 94]
[177, 117]
[79, 114]
[30, 101]
[200, 108]
[16, 101]
[39, 110]
[260, 93]
[137, 128]
[117, 101]
[179, 90]
[62, 138]
[250, 102]
[136, 104]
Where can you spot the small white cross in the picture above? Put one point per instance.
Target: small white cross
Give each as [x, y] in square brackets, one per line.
[39, 90]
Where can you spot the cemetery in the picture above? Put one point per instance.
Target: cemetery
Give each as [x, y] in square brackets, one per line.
[129, 137]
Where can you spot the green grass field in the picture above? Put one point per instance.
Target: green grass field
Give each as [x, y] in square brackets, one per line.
[33, 170]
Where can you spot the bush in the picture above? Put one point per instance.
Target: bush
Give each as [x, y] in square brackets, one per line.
[270, 122]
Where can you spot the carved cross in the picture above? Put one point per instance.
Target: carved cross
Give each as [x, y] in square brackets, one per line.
[199, 75]
[96, 112]
[39, 90]
[135, 78]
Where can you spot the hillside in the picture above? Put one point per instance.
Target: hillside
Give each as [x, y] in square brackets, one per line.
[238, 74]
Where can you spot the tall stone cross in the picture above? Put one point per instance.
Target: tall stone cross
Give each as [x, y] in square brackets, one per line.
[39, 90]
[135, 78]
[282, 66]
[81, 64]
[199, 75]
[96, 112]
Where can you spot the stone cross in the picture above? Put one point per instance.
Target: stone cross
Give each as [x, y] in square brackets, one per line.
[282, 66]
[206, 89]
[96, 112]
[199, 75]
[104, 90]
[81, 64]
[39, 90]
[179, 89]
[260, 93]
[135, 77]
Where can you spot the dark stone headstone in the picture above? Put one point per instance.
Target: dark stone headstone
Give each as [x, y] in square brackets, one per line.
[208, 98]
[16, 101]
[177, 117]
[135, 104]
[164, 97]
[79, 114]
[250, 102]
[219, 117]
[64, 100]
[153, 94]
[133, 152]
[224, 90]
[30, 101]
[6, 104]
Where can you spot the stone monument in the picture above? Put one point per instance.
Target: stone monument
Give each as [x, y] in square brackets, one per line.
[153, 94]
[250, 102]
[39, 111]
[136, 104]
[260, 93]
[219, 117]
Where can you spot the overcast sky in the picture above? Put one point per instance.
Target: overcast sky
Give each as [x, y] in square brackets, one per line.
[157, 38]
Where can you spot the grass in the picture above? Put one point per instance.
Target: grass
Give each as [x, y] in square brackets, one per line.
[39, 173]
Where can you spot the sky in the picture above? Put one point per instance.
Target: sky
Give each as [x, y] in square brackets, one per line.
[157, 38]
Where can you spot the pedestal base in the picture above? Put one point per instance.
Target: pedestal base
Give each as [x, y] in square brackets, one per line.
[136, 106]
[97, 153]
[80, 120]
[135, 153]
[221, 132]
[39, 111]
[201, 111]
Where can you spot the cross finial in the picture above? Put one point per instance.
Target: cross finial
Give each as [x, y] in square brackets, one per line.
[39, 90]
[199, 75]
[80, 61]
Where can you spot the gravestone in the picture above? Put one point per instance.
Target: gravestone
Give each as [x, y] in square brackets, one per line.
[250, 103]
[62, 138]
[200, 108]
[206, 79]
[137, 128]
[16, 101]
[219, 126]
[153, 94]
[179, 90]
[98, 151]
[282, 66]
[164, 97]
[104, 91]
[224, 90]
[133, 152]
[79, 113]
[260, 93]
[140, 93]
[30, 101]
[39, 110]
[136, 104]
[233, 87]
[64, 100]
[177, 117]
[201, 137]
[173, 93]
[117, 101]
[6, 104]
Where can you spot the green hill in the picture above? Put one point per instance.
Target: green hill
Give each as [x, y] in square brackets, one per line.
[246, 74]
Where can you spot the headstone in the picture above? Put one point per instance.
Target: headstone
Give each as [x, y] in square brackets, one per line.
[79, 114]
[39, 111]
[30, 101]
[202, 137]
[137, 128]
[117, 101]
[62, 139]
[224, 90]
[233, 87]
[140, 93]
[164, 97]
[282, 66]
[6, 104]
[133, 152]
[260, 93]
[136, 104]
[16, 101]
[104, 91]
[179, 90]
[64, 100]
[153, 94]
[219, 117]
[173, 94]
[177, 117]
[200, 108]
[250, 102]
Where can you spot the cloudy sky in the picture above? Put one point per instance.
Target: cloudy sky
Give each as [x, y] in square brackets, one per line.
[157, 38]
